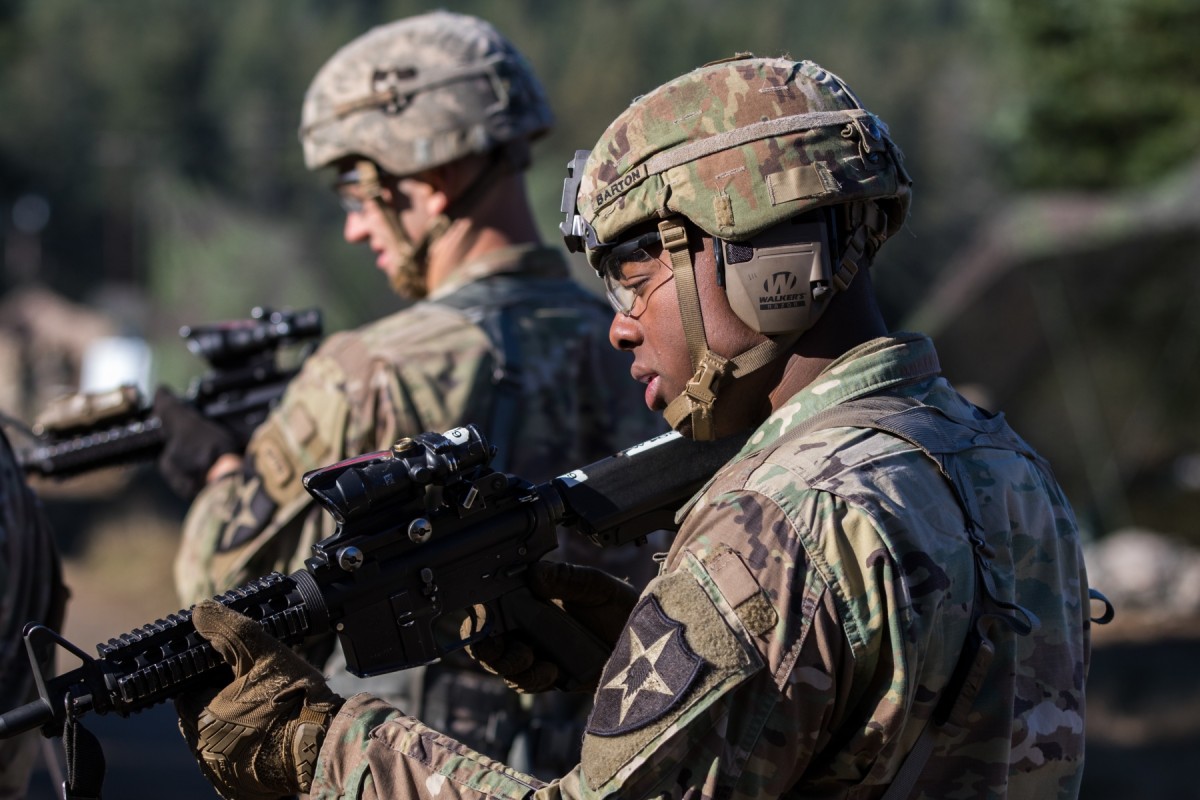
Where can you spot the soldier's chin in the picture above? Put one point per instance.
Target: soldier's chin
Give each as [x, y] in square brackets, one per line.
[408, 281]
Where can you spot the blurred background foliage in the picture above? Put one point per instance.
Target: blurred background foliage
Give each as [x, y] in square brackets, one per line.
[150, 177]
[149, 171]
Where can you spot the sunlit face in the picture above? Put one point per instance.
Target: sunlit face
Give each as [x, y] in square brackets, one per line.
[648, 322]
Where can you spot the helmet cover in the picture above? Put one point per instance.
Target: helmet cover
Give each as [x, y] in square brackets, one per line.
[737, 147]
[421, 92]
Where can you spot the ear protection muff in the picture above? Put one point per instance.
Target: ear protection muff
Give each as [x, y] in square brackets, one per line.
[778, 283]
[781, 280]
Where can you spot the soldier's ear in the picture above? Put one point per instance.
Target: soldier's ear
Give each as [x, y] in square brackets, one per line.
[426, 191]
[441, 182]
[453, 181]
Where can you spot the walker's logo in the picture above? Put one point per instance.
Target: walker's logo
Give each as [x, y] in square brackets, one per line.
[779, 283]
[780, 291]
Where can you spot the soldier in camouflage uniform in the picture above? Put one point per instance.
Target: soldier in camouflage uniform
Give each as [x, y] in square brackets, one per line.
[427, 123]
[31, 590]
[882, 595]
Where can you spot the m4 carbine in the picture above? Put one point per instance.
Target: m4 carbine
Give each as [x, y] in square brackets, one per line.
[426, 531]
[87, 431]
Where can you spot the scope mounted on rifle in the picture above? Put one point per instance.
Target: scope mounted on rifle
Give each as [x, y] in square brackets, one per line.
[87, 431]
[358, 488]
[231, 341]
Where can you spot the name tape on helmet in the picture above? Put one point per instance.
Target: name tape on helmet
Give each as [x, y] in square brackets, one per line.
[620, 186]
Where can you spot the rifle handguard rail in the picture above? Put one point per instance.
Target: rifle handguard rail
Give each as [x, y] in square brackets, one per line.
[425, 530]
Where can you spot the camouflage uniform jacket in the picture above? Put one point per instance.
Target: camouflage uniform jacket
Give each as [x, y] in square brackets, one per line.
[812, 609]
[431, 366]
[510, 343]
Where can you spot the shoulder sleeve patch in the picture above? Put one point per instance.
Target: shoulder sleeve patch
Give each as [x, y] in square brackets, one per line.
[252, 512]
[650, 670]
[681, 654]
[301, 423]
[273, 464]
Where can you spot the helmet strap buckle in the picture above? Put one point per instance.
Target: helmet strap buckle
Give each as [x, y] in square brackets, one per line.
[698, 398]
[702, 388]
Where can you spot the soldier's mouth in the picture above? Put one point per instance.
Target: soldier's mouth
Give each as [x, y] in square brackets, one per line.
[652, 399]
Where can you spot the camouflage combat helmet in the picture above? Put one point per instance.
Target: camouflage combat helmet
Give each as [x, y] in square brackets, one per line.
[414, 95]
[738, 147]
[421, 92]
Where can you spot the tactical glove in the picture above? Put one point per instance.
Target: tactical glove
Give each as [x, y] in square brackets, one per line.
[194, 443]
[258, 737]
[597, 600]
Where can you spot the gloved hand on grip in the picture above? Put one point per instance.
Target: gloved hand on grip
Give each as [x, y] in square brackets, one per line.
[259, 736]
[194, 443]
[597, 600]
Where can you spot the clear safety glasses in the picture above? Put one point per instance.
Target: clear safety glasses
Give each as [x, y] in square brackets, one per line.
[350, 203]
[632, 275]
[347, 188]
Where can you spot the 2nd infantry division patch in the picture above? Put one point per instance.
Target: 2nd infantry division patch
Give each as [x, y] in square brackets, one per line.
[650, 671]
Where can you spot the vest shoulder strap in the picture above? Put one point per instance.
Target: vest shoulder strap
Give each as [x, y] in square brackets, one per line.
[492, 305]
[939, 436]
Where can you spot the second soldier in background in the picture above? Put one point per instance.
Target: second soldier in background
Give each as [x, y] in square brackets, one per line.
[426, 124]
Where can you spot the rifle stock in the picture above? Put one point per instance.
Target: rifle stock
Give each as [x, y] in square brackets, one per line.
[426, 532]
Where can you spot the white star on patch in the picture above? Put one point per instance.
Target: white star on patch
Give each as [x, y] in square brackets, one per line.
[652, 682]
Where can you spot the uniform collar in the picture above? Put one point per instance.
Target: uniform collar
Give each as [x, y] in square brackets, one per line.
[887, 362]
[533, 260]
[871, 367]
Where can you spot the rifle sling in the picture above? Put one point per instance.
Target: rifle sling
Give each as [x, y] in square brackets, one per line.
[85, 762]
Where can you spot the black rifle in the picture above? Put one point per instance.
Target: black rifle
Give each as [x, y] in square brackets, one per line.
[425, 532]
[85, 432]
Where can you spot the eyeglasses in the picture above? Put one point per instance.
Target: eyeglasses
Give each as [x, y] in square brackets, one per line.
[345, 186]
[631, 275]
[351, 204]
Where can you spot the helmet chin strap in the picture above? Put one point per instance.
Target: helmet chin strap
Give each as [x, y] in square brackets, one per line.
[697, 403]
[410, 280]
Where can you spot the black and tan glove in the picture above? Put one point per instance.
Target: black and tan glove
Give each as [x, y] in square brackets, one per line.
[258, 737]
[597, 600]
[194, 443]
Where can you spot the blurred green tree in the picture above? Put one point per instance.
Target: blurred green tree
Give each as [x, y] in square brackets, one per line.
[1099, 93]
[163, 135]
